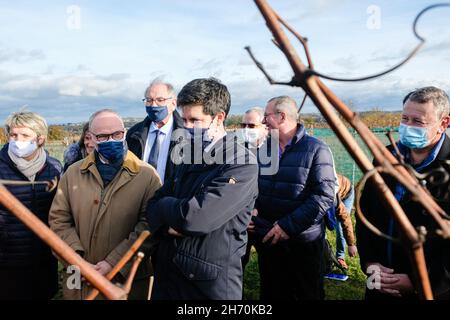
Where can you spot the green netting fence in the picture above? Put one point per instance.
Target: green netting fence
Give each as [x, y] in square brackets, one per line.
[344, 162]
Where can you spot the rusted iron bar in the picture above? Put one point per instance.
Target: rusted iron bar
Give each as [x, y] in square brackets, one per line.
[122, 262]
[59, 246]
[137, 261]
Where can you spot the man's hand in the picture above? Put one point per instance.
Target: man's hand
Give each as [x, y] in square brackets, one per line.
[402, 284]
[103, 267]
[352, 251]
[175, 233]
[277, 233]
[394, 284]
[251, 226]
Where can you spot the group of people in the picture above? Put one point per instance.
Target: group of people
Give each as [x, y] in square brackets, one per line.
[206, 196]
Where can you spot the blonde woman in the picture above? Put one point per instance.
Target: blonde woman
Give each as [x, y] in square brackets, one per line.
[28, 271]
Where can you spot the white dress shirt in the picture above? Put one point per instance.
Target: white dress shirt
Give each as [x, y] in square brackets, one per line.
[164, 141]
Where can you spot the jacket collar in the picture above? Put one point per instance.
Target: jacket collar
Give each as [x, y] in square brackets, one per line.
[177, 120]
[444, 152]
[4, 155]
[131, 163]
[299, 134]
[441, 152]
[297, 137]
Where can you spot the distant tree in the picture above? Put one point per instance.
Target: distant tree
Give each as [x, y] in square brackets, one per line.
[3, 137]
[56, 133]
[233, 121]
[379, 119]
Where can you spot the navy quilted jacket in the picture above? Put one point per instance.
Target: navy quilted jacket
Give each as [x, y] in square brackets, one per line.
[19, 246]
[300, 193]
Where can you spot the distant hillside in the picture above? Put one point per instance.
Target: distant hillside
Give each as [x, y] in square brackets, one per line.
[374, 119]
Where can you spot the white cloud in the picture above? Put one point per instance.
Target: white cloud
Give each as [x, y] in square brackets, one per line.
[20, 55]
[121, 47]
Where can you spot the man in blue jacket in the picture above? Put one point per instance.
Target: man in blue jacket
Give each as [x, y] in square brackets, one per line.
[291, 205]
[200, 218]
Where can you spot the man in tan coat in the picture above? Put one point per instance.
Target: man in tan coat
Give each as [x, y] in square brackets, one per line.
[100, 205]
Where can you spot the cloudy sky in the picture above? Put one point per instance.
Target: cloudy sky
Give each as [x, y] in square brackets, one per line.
[66, 59]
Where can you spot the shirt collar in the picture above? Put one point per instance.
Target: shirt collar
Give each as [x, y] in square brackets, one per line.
[164, 129]
[405, 151]
[280, 152]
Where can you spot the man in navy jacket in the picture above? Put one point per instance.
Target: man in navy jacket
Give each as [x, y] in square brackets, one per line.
[200, 218]
[293, 202]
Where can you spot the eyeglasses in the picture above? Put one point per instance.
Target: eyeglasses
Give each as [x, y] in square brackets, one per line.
[158, 100]
[118, 135]
[249, 125]
[269, 114]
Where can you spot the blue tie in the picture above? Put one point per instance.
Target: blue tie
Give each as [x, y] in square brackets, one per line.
[154, 153]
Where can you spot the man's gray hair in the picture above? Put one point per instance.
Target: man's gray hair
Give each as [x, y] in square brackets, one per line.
[158, 81]
[437, 96]
[99, 112]
[257, 110]
[286, 105]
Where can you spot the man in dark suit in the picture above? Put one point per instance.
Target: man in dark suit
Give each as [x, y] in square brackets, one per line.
[151, 139]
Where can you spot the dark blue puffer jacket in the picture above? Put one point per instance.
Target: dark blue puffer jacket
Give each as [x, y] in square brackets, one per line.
[19, 246]
[300, 193]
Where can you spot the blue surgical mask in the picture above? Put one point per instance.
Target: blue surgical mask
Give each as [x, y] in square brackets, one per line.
[413, 137]
[157, 114]
[111, 150]
[202, 132]
[192, 131]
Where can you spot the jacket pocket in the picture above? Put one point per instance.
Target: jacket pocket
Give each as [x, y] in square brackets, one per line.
[196, 269]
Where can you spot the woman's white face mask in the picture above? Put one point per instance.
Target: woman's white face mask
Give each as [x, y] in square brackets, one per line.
[22, 149]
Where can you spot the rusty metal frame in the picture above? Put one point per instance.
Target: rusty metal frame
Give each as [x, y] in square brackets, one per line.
[327, 103]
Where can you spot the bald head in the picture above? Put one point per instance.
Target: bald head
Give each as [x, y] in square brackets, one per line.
[106, 122]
